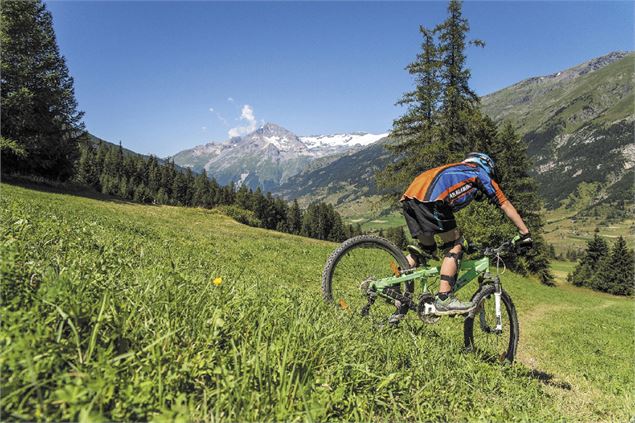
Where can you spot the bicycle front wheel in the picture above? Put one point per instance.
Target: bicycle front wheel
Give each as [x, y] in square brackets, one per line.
[353, 266]
[480, 327]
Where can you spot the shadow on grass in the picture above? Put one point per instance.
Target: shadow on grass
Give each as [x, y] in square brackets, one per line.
[523, 371]
[546, 378]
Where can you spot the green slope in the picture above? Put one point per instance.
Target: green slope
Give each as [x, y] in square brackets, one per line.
[109, 309]
[578, 125]
[599, 91]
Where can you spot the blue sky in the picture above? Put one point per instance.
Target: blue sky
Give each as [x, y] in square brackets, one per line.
[164, 76]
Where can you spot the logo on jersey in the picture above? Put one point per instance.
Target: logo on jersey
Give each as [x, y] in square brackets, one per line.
[459, 191]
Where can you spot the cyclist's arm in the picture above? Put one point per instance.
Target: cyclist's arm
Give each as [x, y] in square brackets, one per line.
[510, 211]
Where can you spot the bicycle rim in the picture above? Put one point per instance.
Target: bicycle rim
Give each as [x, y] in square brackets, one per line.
[484, 339]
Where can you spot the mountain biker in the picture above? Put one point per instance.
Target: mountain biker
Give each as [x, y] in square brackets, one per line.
[429, 204]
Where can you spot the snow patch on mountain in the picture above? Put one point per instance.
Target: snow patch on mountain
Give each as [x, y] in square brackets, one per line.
[242, 178]
[341, 140]
[281, 143]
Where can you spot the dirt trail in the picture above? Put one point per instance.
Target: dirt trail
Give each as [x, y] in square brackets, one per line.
[541, 311]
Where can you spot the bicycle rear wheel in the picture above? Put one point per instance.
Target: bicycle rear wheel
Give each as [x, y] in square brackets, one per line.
[480, 331]
[353, 265]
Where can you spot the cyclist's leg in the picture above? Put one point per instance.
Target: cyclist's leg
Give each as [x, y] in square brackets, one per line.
[427, 246]
[445, 301]
[422, 225]
[419, 229]
[452, 255]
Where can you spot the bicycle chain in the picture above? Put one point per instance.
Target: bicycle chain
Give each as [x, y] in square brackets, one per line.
[403, 299]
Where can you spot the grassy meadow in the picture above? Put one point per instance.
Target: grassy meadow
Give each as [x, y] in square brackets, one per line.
[566, 229]
[119, 311]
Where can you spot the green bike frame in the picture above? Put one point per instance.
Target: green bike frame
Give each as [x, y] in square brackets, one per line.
[470, 268]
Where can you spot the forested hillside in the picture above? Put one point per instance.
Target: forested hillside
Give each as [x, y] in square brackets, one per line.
[578, 126]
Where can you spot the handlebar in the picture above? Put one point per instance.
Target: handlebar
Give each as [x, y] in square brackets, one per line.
[503, 248]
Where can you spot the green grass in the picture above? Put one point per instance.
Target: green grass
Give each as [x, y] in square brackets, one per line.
[373, 222]
[561, 269]
[109, 311]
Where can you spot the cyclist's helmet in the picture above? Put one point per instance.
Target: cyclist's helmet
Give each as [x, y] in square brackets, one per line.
[484, 161]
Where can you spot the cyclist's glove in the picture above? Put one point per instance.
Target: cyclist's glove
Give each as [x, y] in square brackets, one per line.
[523, 243]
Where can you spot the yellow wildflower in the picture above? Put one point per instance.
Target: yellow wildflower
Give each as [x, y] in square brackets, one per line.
[217, 281]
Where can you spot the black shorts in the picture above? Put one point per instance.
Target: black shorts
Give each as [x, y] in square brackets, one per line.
[428, 218]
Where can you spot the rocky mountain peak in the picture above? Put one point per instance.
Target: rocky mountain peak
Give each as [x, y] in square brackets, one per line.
[272, 129]
[276, 136]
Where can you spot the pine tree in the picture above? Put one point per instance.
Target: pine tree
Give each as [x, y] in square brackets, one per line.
[86, 172]
[168, 174]
[39, 111]
[397, 236]
[294, 219]
[443, 121]
[201, 190]
[622, 269]
[179, 189]
[484, 224]
[215, 192]
[552, 251]
[614, 271]
[309, 221]
[154, 175]
[336, 232]
[458, 99]
[597, 250]
[123, 189]
[141, 194]
[416, 133]
[243, 197]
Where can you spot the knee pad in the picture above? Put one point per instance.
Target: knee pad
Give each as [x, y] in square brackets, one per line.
[449, 245]
[456, 256]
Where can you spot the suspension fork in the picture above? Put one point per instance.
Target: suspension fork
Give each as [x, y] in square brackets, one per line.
[497, 303]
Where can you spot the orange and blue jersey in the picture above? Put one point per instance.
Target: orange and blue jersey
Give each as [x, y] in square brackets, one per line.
[455, 184]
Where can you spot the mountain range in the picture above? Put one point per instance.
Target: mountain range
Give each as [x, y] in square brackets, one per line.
[270, 155]
[577, 123]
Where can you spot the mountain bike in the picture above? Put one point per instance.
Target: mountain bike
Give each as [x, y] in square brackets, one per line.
[365, 273]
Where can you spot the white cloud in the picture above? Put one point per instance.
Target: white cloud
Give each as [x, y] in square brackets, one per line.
[211, 109]
[230, 99]
[204, 128]
[247, 115]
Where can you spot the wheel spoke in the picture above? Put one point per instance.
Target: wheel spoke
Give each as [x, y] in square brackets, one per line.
[483, 336]
[354, 269]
